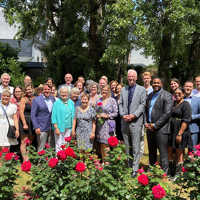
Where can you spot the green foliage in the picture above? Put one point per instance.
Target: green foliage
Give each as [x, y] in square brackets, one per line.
[111, 181]
[13, 67]
[8, 176]
[190, 177]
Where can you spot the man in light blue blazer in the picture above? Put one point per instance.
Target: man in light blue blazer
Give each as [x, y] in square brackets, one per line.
[41, 116]
[195, 106]
[131, 107]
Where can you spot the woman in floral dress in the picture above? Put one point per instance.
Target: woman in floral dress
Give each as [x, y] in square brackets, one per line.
[107, 110]
[84, 124]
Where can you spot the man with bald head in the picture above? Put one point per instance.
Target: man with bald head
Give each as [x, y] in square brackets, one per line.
[131, 108]
[68, 81]
[158, 111]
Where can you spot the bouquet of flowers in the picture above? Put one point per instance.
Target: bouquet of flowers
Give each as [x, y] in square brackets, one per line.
[99, 110]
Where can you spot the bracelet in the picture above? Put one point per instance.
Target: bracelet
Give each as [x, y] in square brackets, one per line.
[179, 134]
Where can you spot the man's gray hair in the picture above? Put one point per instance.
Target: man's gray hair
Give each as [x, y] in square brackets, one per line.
[64, 88]
[132, 71]
[5, 74]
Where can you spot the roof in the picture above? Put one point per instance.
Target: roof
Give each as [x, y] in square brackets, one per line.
[25, 46]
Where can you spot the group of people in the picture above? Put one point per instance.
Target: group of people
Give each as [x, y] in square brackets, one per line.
[91, 112]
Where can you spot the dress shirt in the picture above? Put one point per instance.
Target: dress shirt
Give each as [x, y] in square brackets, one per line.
[49, 103]
[153, 100]
[131, 90]
[188, 99]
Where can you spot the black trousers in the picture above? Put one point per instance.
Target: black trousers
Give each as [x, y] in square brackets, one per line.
[158, 141]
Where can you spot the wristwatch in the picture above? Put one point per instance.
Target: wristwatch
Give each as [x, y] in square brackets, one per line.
[179, 134]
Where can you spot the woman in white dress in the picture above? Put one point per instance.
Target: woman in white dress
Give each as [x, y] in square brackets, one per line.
[11, 110]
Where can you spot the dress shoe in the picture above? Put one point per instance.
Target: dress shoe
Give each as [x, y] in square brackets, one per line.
[134, 174]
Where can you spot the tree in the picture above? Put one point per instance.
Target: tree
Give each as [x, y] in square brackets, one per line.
[77, 33]
[169, 34]
[9, 64]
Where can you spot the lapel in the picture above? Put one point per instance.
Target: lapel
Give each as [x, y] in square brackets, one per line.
[126, 96]
[157, 100]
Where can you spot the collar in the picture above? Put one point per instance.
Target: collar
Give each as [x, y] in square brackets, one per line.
[46, 98]
[130, 87]
[189, 97]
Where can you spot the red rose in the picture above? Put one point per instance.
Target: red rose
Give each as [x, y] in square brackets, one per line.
[46, 158]
[158, 192]
[62, 146]
[26, 166]
[53, 162]
[27, 141]
[184, 170]
[8, 156]
[80, 167]
[197, 147]
[99, 103]
[113, 141]
[62, 155]
[16, 157]
[70, 152]
[47, 146]
[143, 179]
[68, 139]
[40, 153]
[0, 154]
[140, 170]
[5, 150]
[164, 175]
[197, 153]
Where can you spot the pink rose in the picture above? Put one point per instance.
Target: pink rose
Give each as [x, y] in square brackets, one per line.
[143, 179]
[53, 162]
[68, 139]
[40, 153]
[113, 141]
[80, 167]
[62, 155]
[26, 166]
[158, 192]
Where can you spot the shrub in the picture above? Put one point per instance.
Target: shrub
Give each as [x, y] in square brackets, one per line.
[8, 174]
[71, 174]
[190, 177]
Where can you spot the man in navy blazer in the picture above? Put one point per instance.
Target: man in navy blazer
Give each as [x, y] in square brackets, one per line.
[195, 106]
[41, 116]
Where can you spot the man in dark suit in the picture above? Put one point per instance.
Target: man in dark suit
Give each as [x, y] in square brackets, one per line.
[41, 116]
[158, 109]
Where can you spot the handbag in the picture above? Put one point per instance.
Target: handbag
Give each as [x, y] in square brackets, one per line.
[112, 126]
[11, 129]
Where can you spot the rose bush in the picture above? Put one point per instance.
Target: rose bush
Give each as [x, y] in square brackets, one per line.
[8, 174]
[189, 180]
[71, 174]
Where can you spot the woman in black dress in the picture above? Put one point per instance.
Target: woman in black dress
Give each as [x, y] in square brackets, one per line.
[180, 135]
[25, 123]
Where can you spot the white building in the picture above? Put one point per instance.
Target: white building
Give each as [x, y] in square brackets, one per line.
[28, 51]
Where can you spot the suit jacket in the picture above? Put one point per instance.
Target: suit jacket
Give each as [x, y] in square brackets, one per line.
[40, 115]
[137, 105]
[195, 106]
[161, 111]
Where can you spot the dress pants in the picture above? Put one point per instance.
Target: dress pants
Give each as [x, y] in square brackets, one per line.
[158, 141]
[132, 135]
[60, 139]
[42, 140]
